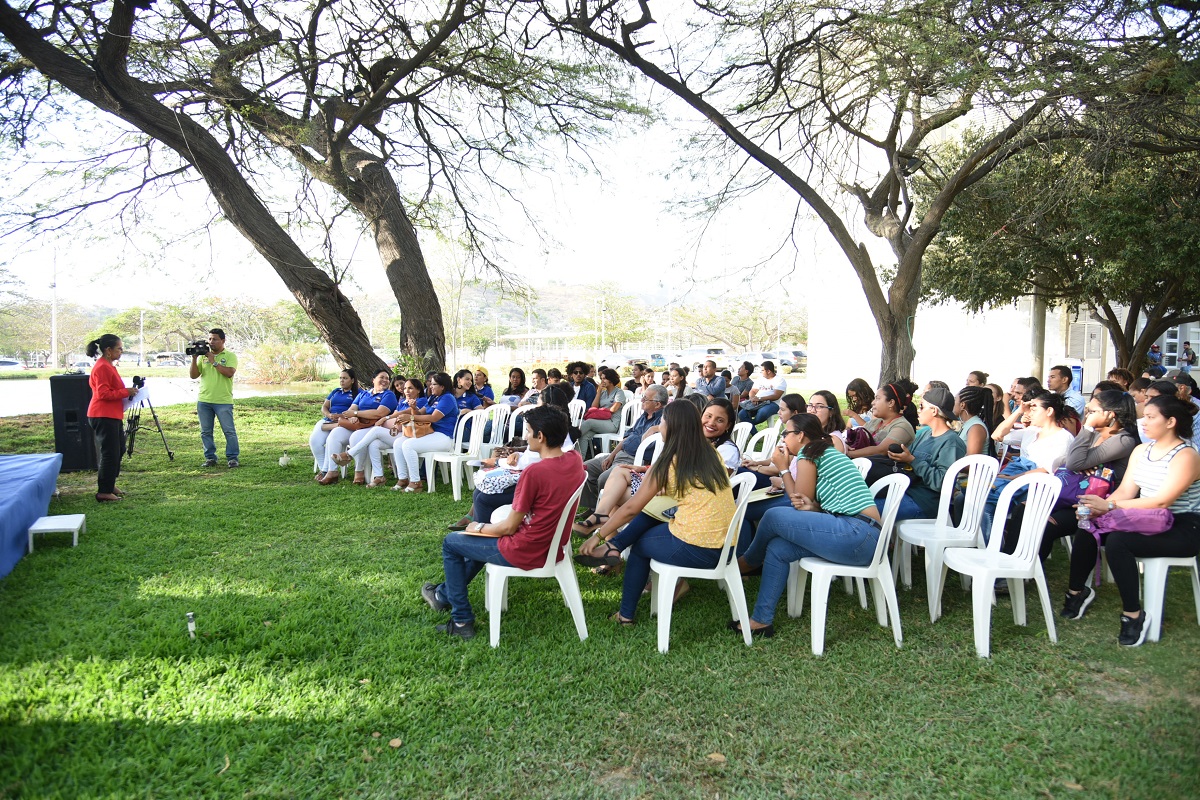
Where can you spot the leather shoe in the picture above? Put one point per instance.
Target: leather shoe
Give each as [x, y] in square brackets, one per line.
[759, 633]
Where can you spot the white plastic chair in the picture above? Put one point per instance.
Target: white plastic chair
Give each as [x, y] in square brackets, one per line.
[864, 466]
[563, 571]
[653, 439]
[606, 441]
[577, 409]
[663, 577]
[456, 457]
[878, 572]
[513, 416]
[497, 414]
[985, 566]
[741, 435]
[1154, 588]
[761, 445]
[1001, 452]
[935, 535]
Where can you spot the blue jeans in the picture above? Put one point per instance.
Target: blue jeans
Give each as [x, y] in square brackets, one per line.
[760, 414]
[223, 412]
[786, 535]
[1014, 468]
[754, 514]
[649, 539]
[463, 556]
[908, 508]
[484, 504]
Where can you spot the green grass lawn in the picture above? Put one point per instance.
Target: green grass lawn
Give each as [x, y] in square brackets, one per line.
[317, 672]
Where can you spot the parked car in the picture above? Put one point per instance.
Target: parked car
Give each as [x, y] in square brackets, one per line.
[799, 361]
[79, 366]
[11, 364]
[695, 356]
[616, 360]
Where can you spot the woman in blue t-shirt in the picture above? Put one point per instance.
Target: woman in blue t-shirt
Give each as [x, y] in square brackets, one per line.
[338, 401]
[487, 395]
[369, 406]
[440, 409]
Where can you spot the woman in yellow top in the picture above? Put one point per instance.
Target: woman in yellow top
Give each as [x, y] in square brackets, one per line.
[689, 471]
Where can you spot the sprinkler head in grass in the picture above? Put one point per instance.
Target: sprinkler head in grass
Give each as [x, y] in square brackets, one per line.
[191, 620]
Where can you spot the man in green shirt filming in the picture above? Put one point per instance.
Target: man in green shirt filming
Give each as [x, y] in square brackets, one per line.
[215, 370]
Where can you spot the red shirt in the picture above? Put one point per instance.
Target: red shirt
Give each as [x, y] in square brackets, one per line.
[108, 391]
[542, 492]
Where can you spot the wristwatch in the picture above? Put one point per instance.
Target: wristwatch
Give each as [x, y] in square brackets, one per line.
[1111, 505]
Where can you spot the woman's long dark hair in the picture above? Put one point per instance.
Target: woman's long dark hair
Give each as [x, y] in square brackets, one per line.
[730, 414]
[682, 388]
[863, 395]
[376, 374]
[443, 380]
[354, 387]
[1181, 411]
[836, 422]
[818, 440]
[1051, 402]
[98, 346]
[696, 462]
[795, 402]
[900, 392]
[469, 374]
[980, 402]
[521, 388]
[1122, 407]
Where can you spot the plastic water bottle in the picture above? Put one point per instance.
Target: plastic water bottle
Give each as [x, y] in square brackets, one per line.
[1083, 517]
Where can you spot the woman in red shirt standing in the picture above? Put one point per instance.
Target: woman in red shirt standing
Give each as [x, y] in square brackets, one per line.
[106, 413]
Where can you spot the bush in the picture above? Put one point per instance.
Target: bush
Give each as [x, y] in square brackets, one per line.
[285, 362]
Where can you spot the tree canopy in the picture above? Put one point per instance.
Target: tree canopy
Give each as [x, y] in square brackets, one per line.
[845, 103]
[331, 99]
[1114, 232]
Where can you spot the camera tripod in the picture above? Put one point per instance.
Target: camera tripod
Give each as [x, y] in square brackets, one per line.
[133, 423]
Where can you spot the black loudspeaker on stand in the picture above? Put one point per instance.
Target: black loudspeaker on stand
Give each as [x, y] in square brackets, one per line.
[70, 396]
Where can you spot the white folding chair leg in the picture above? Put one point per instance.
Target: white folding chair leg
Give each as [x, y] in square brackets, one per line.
[848, 584]
[1039, 578]
[664, 590]
[736, 595]
[981, 606]
[819, 604]
[495, 603]
[797, 582]
[935, 574]
[456, 478]
[881, 613]
[862, 592]
[893, 605]
[430, 470]
[568, 584]
[1016, 595]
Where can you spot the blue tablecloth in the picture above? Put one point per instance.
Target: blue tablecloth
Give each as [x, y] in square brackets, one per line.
[26, 486]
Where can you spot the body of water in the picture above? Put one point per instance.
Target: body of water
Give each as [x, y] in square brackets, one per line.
[33, 396]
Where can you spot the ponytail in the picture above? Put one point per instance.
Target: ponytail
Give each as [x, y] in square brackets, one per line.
[97, 346]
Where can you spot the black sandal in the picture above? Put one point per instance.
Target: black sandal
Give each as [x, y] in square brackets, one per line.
[617, 618]
[611, 557]
[584, 527]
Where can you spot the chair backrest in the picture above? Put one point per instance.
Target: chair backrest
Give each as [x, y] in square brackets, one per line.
[478, 419]
[647, 441]
[981, 471]
[629, 414]
[743, 485]
[460, 427]
[513, 416]
[864, 466]
[1001, 452]
[562, 534]
[741, 435]
[577, 409]
[1044, 490]
[761, 444]
[896, 485]
[498, 413]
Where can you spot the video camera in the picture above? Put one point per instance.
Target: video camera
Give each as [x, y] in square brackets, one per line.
[197, 348]
[138, 381]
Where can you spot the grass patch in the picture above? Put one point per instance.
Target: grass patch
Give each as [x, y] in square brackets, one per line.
[315, 653]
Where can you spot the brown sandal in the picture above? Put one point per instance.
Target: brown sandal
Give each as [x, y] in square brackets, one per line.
[377, 482]
[401, 485]
[330, 479]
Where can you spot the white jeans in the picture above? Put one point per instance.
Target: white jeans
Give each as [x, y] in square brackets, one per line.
[334, 444]
[316, 443]
[407, 457]
[372, 441]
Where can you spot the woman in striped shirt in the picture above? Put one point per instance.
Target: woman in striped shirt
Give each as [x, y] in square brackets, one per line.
[1162, 474]
[832, 515]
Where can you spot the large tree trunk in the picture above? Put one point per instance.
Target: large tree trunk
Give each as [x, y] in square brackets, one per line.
[421, 330]
[110, 89]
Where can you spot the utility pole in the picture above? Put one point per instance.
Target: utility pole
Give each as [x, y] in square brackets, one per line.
[54, 312]
[141, 337]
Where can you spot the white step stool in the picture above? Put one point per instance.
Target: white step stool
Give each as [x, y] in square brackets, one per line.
[63, 523]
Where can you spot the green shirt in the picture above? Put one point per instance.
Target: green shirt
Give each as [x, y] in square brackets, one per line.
[215, 387]
[840, 486]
